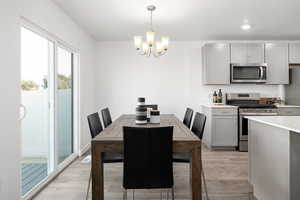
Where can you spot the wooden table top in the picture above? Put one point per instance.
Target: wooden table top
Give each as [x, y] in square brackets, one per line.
[114, 132]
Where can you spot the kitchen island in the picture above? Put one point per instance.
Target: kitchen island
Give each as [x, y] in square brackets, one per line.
[274, 157]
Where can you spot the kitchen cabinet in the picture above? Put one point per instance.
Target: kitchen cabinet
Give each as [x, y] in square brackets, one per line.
[294, 53]
[289, 111]
[221, 131]
[247, 53]
[216, 64]
[238, 53]
[276, 56]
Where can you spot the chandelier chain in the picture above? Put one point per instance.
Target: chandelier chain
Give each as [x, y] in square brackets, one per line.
[151, 23]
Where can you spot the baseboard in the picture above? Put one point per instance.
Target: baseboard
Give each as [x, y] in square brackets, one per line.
[84, 149]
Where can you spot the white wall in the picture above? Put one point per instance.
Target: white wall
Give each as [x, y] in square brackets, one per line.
[50, 17]
[9, 101]
[173, 81]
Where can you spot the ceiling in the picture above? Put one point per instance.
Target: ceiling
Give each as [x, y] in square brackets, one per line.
[115, 20]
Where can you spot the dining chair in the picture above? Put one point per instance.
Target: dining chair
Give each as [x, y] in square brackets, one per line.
[187, 120]
[148, 159]
[108, 157]
[106, 117]
[198, 130]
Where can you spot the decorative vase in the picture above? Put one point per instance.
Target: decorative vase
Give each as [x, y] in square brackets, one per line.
[141, 111]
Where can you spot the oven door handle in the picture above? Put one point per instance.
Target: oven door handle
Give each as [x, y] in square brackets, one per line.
[262, 73]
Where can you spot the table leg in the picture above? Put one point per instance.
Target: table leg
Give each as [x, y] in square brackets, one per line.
[196, 173]
[97, 174]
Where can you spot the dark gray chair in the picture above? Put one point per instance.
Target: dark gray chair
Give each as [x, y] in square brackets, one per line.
[197, 129]
[187, 120]
[106, 117]
[95, 129]
[148, 158]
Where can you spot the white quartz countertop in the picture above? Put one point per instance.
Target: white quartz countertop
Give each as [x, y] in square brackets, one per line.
[211, 105]
[287, 106]
[291, 123]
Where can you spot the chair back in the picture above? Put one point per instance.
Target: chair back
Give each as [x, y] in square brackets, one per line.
[106, 117]
[199, 125]
[94, 124]
[187, 120]
[148, 157]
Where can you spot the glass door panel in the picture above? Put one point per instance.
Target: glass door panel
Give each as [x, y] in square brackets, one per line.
[64, 80]
[35, 112]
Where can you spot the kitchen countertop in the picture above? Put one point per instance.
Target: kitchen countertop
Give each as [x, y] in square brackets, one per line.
[287, 106]
[290, 123]
[210, 105]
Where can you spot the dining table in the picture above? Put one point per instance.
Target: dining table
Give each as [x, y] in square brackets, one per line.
[111, 140]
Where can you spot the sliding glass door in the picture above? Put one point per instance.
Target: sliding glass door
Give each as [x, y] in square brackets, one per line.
[46, 110]
[65, 103]
[35, 97]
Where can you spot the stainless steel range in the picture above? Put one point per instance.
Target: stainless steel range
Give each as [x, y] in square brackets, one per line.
[249, 105]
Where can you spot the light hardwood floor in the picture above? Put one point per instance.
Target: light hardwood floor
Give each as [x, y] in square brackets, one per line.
[226, 174]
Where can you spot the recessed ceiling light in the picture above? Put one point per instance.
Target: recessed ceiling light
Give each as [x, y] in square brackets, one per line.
[246, 27]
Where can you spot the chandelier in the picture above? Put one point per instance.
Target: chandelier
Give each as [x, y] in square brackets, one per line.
[150, 46]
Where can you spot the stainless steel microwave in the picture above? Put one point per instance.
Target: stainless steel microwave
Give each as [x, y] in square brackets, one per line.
[249, 73]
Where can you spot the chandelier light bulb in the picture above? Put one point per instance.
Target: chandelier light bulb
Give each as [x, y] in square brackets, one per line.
[145, 47]
[138, 42]
[165, 42]
[150, 36]
[159, 47]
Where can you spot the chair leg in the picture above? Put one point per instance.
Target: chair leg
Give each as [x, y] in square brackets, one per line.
[160, 194]
[173, 193]
[88, 189]
[133, 194]
[124, 194]
[167, 194]
[190, 174]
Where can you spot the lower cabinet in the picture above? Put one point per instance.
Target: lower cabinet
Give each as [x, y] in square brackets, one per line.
[289, 111]
[221, 131]
[224, 131]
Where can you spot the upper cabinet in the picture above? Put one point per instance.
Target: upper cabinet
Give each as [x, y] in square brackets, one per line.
[217, 57]
[294, 53]
[216, 63]
[247, 53]
[276, 56]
